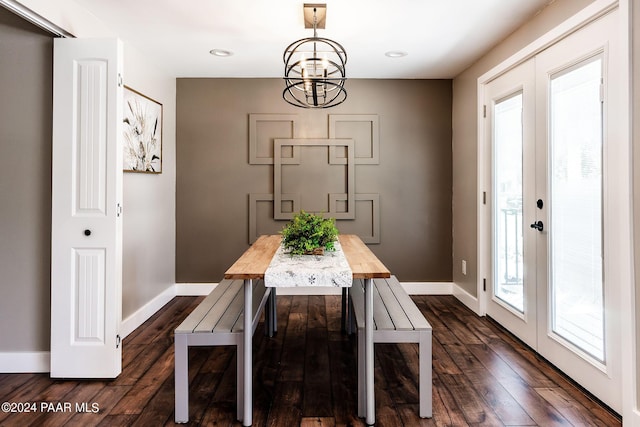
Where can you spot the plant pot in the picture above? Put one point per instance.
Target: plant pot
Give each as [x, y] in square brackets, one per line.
[316, 251]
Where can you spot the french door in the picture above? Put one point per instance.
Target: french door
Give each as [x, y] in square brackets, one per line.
[511, 115]
[553, 202]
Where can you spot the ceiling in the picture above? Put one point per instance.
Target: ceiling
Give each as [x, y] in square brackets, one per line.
[441, 37]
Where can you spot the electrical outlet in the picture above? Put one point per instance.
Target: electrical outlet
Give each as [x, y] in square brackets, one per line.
[464, 267]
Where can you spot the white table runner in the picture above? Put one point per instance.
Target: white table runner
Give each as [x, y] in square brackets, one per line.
[287, 270]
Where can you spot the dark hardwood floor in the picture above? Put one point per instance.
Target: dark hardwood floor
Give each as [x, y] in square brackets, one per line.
[306, 376]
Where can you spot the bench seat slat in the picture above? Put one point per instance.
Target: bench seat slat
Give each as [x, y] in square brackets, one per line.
[401, 312]
[222, 310]
[210, 321]
[232, 313]
[412, 311]
[189, 324]
[394, 307]
[381, 318]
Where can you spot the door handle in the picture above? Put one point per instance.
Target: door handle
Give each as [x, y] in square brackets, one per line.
[538, 225]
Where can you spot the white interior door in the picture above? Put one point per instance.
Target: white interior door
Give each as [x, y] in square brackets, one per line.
[559, 202]
[86, 258]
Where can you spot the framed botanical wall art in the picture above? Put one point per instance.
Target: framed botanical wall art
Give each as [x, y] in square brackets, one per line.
[142, 133]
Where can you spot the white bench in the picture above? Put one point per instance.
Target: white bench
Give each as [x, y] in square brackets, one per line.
[218, 320]
[396, 320]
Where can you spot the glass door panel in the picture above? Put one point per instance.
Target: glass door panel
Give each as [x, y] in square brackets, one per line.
[510, 127]
[508, 239]
[575, 237]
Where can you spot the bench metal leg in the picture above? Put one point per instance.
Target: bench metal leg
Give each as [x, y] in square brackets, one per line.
[181, 379]
[368, 351]
[361, 392]
[424, 354]
[240, 380]
[247, 352]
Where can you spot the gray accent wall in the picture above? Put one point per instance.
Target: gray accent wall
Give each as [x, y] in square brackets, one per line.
[26, 94]
[380, 163]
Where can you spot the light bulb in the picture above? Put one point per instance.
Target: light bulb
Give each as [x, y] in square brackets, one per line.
[325, 62]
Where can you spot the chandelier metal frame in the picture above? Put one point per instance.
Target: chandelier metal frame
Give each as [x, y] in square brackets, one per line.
[314, 71]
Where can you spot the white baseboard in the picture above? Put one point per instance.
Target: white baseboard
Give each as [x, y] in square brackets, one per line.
[467, 299]
[25, 362]
[129, 324]
[144, 313]
[194, 289]
[428, 288]
[631, 417]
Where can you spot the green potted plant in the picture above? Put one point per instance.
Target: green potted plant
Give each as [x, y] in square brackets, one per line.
[309, 233]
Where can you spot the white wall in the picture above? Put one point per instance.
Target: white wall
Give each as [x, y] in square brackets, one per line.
[149, 199]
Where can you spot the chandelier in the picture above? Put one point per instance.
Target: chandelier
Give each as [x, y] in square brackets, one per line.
[314, 67]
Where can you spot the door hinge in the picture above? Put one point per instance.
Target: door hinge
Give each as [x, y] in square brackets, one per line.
[118, 210]
[118, 340]
[601, 92]
[120, 80]
[484, 285]
[484, 111]
[484, 197]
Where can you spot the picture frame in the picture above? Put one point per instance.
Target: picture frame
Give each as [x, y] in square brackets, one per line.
[142, 133]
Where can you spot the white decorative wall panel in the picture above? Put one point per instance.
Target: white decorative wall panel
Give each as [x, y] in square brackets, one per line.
[315, 174]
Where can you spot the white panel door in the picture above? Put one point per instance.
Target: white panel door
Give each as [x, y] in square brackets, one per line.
[86, 255]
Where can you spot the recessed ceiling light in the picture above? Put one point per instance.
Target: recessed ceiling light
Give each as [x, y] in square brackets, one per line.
[220, 52]
[395, 54]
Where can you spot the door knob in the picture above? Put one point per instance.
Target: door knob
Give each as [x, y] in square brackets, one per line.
[538, 225]
[87, 232]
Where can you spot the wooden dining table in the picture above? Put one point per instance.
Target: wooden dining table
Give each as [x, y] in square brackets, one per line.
[253, 264]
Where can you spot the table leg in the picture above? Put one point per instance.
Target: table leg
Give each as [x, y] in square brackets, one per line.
[274, 311]
[247, 419]
[368, 351]
[345, 310]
